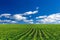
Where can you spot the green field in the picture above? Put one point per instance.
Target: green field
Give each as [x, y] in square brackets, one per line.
[29, 32]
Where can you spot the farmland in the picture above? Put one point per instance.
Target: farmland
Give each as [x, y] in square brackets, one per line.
[29, 32]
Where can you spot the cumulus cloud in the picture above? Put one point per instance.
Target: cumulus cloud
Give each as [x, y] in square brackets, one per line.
[29, 21]
[5, 15]
[7, 21]
[30, 12]
[45, 19]
[19, 17]
[15, 18]
[13, 22]
[41, 17]
[53, 18]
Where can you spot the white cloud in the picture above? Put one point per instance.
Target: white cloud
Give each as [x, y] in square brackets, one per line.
[5, 15]
[41, 17]
[22, 16]
[13, 22]
[29, 21]
[7, 21]
[19, 17]
[53, 18]
[15, 18]
[30, 12]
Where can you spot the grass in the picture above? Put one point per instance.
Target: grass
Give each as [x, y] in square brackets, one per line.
[29, 32]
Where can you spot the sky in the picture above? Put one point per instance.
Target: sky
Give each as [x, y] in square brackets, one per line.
[30, 11]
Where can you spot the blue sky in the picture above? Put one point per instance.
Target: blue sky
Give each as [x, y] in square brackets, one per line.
[30, 11]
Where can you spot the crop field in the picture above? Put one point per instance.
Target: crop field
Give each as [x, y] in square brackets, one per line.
[29, 32]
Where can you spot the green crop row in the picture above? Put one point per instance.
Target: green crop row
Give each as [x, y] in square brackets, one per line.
[29, 32]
